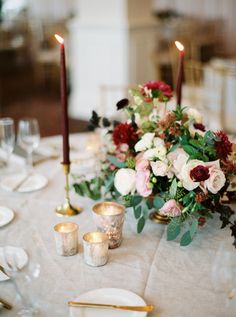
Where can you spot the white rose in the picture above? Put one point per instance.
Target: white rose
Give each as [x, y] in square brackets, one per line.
[216, 180]
[145, 142]
[187, 181]
[194, 115]
[160, 168]
[124, 181]
[158, 152]
[213, 164]
[158, 142]
[178, 158]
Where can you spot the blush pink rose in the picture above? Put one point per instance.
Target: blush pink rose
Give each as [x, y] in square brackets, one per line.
[142, 183]
[142, 164]
[171, 209]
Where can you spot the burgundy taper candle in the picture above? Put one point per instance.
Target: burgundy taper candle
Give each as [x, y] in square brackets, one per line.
[64, 103]
[180, 72]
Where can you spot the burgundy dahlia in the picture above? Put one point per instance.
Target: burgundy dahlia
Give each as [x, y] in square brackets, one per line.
[199, 173]
[223, 146]
[124, 133]
[159, 90]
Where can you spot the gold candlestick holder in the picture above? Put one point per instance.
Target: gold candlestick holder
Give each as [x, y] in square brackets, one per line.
[67, 209]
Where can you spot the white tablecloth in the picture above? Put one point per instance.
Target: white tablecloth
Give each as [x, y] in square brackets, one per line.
[177, 280]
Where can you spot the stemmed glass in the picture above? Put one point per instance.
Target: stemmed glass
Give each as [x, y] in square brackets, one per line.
[28, 137]
[24, 280]
[7, 137]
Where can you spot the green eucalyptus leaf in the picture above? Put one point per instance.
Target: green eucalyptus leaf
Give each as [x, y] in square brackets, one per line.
[158, 202]
[186, 239]
[136, 200]
[193, 228]
[141, 224]
[113, 160]
[173, 188]
[173, 229]
[137, 212]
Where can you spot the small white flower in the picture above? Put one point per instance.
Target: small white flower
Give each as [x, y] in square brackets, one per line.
[138, 100]
[145, 142]
[125, 180]
[160, 168]
[155, 153]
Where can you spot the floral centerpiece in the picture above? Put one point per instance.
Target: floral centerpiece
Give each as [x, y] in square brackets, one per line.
[165, 160]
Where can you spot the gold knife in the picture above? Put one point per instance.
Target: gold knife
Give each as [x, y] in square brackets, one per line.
[5, 304]
[147, 308]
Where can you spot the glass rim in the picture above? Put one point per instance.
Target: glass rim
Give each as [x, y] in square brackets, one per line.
[6, 121]
[89, 237]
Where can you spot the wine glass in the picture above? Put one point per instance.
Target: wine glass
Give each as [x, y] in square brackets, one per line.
[25, 280]
[28, 137]
[7, 137]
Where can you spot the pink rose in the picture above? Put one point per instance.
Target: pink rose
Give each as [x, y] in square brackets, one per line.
[142, 183]
[171, 209]
[141, 163]
[216, 180]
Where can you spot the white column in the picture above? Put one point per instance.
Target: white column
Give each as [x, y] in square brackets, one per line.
[110, 46]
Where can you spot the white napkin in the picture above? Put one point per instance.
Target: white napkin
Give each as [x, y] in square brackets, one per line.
[3, 277]
[13, 255]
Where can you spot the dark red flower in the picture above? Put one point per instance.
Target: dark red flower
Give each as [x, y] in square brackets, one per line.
[199, 173]
[125, 133]
[159, 90]
[223, 146]
[201, 221]
[199, 126]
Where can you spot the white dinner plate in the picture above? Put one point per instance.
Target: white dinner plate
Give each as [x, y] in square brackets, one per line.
[6, 216]
[33, 183]
[115, 296]
[13, 255]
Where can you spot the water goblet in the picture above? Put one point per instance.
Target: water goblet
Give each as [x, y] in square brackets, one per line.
[7, 137]
[28, 137]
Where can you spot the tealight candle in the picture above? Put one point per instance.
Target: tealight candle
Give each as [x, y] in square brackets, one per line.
[66, 236]
[95, 248]
[109, 218]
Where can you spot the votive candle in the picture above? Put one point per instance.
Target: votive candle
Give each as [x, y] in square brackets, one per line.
[95, 248]
[66, 237]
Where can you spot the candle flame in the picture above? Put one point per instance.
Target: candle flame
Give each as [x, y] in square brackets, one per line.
[59, 38]
[179, 46]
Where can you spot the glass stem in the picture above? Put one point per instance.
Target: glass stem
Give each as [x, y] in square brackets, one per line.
[29, 160]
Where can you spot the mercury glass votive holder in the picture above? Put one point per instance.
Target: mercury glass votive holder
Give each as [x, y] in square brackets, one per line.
[66, 237]
[109, 218]
[95, 248]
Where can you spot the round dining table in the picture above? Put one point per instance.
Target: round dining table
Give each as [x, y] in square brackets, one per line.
[178, 281]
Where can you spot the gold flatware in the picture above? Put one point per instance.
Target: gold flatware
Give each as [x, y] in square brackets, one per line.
[147, 308]
[5, 304]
